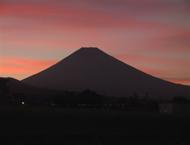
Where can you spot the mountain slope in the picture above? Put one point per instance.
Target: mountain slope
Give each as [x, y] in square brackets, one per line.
[90, 68]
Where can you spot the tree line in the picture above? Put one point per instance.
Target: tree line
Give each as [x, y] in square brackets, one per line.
[85, 99]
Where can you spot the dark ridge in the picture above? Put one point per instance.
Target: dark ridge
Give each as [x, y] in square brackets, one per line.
[89, 48]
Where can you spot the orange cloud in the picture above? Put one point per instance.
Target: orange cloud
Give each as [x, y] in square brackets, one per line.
[22, 67]
[160, 66]
[114, 25]
[185, 81]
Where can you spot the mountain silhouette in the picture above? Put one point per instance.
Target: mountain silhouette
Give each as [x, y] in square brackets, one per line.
[90, 68]
[15, 87]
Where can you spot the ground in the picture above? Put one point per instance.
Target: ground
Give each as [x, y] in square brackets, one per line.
[29, 126]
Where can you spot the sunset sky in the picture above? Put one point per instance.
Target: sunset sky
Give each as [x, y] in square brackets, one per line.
[151, 35]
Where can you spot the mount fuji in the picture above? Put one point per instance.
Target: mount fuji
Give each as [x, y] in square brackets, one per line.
[90, 68]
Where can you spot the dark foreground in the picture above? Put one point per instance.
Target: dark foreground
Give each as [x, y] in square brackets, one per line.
[92, 127]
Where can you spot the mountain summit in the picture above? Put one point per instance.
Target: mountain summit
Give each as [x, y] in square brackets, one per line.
[91, 68]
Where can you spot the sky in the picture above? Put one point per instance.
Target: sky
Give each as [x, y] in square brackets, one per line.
[151, 35]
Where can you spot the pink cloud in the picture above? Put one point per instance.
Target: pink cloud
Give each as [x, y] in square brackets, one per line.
[141, 27]
[77, 16]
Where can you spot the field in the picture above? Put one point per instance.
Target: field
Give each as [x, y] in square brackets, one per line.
[47, 126]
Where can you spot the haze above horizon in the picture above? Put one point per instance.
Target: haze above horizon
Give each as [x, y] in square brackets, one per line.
[151, 35]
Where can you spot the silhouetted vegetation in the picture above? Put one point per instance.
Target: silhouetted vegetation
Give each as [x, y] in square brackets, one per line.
[5, 97]
[64, 118]
[89, 99]
[86, 99]
[181, 99]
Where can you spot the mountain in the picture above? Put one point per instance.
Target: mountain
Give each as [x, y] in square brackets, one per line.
[11, 86]
[91, 68]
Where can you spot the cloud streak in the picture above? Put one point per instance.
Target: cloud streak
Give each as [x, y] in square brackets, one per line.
[155, 31]
[21, 67]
